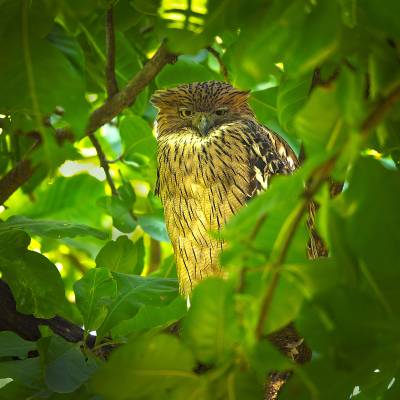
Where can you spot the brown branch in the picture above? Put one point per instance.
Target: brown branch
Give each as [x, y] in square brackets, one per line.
[27, 326]
[112, 85]
[126, 96]
[222, 66]
[15, 178]
[21, 173]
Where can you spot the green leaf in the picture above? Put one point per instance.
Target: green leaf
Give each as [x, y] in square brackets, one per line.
[264, 104]
[316, 275]
[319, 123]
[292, 95]
[65, 368]
[13, 243]
[183, 71]
[14, 390]
[120, 211]
[264, 357]
[146, 368]
[238, 383]
[135, 292]
[34, 281]
[383, 17]
[308, 49]
[127, 194]
[52, 229]
[94, 293]
[12, 345]
[137, 137]
[67, 199]
[154, 225]
[285, 305]
[167, 269]
[121, 255]
[26, 372]
[53, 81]
[210, 328]
[150, 317]
[373, 239]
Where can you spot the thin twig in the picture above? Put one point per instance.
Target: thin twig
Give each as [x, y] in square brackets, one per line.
[112, 85]
[222, 66]
[115, 160]
[103, 163]
[379, 112]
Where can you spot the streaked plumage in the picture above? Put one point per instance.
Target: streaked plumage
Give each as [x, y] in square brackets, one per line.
[213, 156]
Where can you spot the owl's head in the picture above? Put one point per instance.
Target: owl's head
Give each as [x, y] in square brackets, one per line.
[200, 107]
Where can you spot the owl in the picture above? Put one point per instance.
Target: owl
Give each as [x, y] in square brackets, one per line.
[213, 156]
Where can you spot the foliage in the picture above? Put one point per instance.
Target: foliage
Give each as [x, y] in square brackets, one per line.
[323, 74]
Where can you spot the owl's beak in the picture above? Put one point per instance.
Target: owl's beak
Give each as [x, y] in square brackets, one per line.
[203, 123]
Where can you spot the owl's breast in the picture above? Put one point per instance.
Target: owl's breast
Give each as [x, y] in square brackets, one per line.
[202, 181]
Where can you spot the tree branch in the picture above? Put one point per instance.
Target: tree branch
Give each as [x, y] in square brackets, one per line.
[21, 173]
[27, 326]
[126, 96]
[15, 178]
[112, 85]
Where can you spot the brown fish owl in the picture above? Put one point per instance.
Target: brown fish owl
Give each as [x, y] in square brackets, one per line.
[213, 156]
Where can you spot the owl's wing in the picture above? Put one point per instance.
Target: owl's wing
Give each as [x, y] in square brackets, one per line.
[272, 155]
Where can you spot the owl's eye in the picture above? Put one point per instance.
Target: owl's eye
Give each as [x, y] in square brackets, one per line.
[221, 111]
[185, 112]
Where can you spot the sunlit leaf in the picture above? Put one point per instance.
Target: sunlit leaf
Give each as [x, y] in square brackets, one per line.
[121, 255]
[210, 327]
[94, 293]
[52, 229]
[147, 367]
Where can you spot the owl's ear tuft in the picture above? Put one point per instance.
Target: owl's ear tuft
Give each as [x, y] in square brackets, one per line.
[241, 96]
[159, 97]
